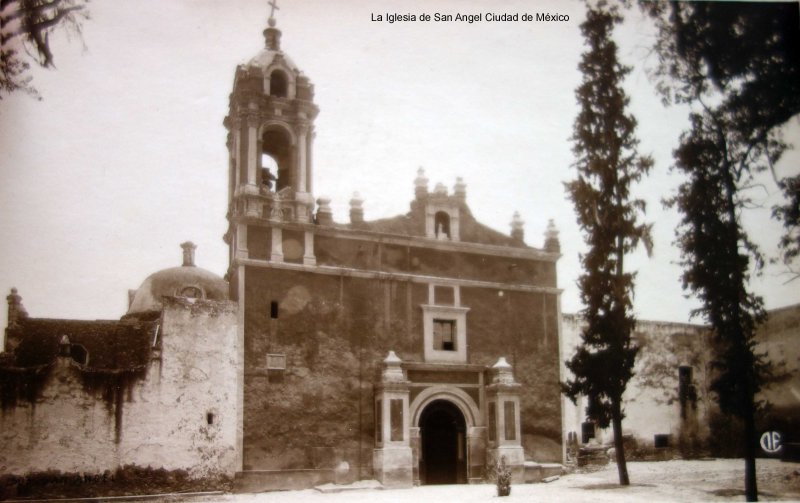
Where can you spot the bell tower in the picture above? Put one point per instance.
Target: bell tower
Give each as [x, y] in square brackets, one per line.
[270, 127]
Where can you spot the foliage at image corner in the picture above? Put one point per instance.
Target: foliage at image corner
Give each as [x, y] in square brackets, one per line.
[25, 37]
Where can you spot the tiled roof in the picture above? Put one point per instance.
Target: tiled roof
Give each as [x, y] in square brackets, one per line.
[111, 344]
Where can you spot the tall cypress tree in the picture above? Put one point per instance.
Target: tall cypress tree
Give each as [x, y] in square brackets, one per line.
[737, 65]
[608, 164]
[717, 258]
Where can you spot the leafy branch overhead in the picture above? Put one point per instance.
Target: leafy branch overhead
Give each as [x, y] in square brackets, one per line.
[744, 58]
[25, 30]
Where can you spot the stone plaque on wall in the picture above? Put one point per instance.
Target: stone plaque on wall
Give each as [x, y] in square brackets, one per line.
[276, 362]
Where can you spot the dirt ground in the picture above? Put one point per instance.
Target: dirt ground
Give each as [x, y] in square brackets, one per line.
[651, 482]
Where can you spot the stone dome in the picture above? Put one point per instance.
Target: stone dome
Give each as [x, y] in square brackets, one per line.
[187, 281]
[272, 50]
[266, 56]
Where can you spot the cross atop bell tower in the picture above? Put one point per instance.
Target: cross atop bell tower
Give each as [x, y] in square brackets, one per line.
[272, 35]
[273, 4]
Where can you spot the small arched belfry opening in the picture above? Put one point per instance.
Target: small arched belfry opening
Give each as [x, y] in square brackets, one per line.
[276, 150]
[278, 84]
[441, 223]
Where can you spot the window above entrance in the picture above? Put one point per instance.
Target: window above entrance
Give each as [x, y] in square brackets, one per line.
[444, 325]
[445, 333]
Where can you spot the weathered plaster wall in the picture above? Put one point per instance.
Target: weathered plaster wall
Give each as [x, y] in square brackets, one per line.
[779, 338]
[652, 405]
[168, 424]
[160, 420]
[334, 330]
[318, 412]
[523, 327]
[66, 428]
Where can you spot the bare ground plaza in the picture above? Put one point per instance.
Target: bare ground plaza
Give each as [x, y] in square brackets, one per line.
[665, 481]
[678, 480]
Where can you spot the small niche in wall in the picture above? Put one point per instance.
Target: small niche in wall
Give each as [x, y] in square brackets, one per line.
[209, 418]
[276, 367]
[273, 309]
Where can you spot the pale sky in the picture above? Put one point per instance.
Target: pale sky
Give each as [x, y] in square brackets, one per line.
[125, 157]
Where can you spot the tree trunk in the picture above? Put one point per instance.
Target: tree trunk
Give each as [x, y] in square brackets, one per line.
[750, 485]
[619, 450]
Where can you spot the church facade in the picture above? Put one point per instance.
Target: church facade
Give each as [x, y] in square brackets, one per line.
[428, 342]
[418, 349]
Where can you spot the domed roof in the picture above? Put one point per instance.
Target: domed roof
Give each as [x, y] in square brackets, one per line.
[187, 281]
[272, 50]
[266, 56]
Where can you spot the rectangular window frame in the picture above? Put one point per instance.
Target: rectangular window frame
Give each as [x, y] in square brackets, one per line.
[444, 334]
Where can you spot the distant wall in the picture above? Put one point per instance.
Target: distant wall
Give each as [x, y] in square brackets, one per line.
[180, 414]
[652, 400]
[779, 338]
[652, 404]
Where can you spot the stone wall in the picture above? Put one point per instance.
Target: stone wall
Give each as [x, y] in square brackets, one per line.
[159, 418]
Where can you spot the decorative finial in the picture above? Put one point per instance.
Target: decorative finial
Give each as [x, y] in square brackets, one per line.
[16, 311]
[188, 253]
[517, 227]
[420, 184]
[324, 211]
[460, 189]
[551, 242]
[356, 209]
[502, 372]
[392, 369]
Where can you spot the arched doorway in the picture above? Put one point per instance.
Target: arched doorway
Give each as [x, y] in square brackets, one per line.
[443, 458]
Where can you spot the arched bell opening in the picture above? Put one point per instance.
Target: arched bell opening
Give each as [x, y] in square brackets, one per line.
[278, 84]
[443, 439]
[276, 159]
[441, 222]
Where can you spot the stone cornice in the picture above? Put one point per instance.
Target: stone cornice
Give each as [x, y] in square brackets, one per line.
[398, 276]
[416, 241]
[445, 367]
